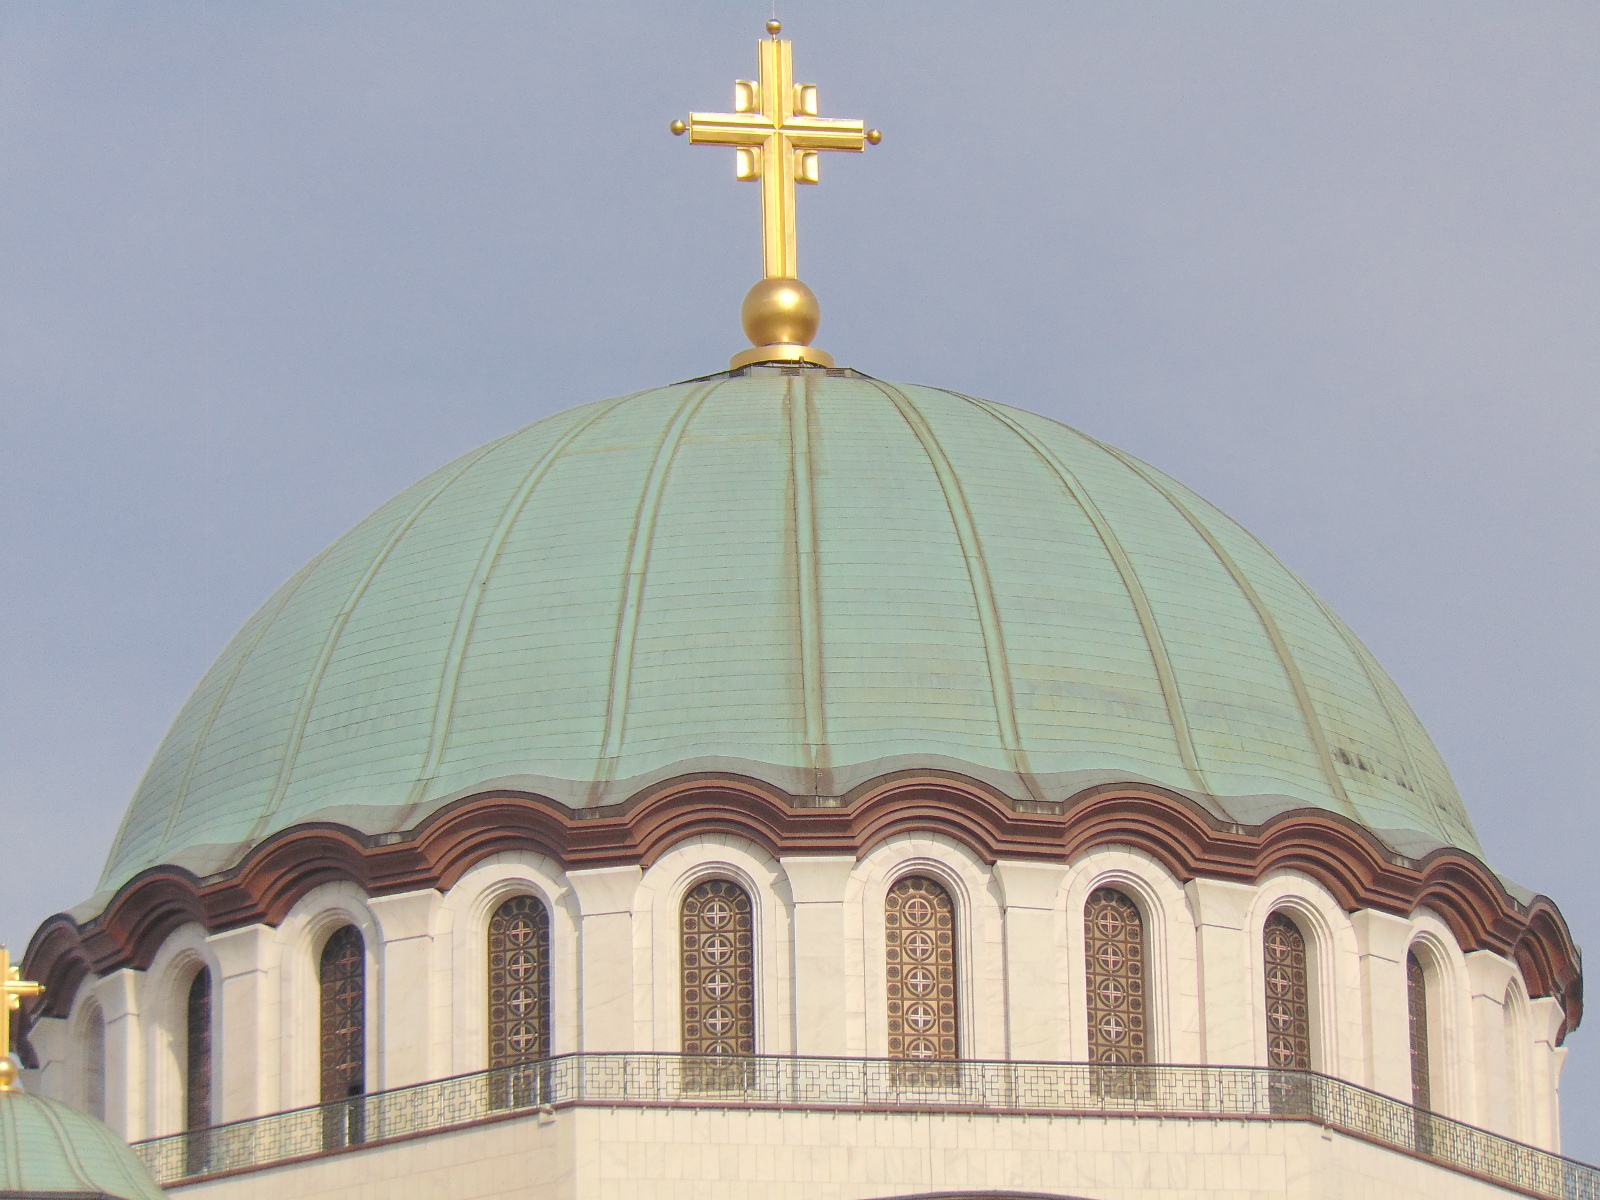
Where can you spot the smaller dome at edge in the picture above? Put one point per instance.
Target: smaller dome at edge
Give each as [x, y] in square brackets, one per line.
[50, 1149]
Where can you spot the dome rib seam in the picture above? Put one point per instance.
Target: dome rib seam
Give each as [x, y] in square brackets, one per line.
[808, 579]
[1362, 657]
[330, 643]
[472, 600]
[112, 1146]
[69, 1152]
[288, 593]
[989, 622]
[640, 540]
[1291, 669]
[1166, 675]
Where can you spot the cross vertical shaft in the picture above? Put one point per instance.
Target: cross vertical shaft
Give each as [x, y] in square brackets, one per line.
[778, 256]
[776, 136]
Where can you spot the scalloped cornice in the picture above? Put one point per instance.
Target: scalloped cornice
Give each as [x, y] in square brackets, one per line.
[1347, 859]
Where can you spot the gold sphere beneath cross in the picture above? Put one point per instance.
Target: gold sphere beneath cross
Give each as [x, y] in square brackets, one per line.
[780, 310]
[781, 317]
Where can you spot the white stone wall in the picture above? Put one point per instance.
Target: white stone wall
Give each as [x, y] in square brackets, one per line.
[821, 984]
[677, 1154]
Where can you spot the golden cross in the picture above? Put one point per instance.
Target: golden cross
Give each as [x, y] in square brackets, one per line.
[14, 987]
[776, 135]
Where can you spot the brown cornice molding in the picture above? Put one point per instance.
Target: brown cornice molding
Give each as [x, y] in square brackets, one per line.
[1346, 858]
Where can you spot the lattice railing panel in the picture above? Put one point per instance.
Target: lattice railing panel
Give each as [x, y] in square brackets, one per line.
[772, 1082]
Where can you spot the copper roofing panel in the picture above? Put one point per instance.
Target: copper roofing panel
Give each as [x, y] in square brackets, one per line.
[805, 577]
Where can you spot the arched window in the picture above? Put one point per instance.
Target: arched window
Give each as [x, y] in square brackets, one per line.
[94, 1062]
[197, 1060]
[1417, 1012]
[719, 1011]
[343, 979]
[519, 982]
[1288, 995]
[197, 1073]
[920, 946]
[1114, 948]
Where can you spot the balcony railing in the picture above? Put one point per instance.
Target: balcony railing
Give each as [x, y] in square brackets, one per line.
[875, 1085]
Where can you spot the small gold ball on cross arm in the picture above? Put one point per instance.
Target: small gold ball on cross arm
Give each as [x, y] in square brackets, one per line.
[874, 136]
[677, 128]
[780, 310]
[773, 26]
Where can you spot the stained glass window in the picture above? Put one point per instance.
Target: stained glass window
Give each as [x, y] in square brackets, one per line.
[197, 1062]
[1114, 946]
[719, 1013]
[344, 1035]
[1288, 995]
[1417, 1012]
[519, 982]
[919, 941]
[197, 1073]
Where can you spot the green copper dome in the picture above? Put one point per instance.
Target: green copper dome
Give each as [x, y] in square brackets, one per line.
[48, 1149]
[810, 578]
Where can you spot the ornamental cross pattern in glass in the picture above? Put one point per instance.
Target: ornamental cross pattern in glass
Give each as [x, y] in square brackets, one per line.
[1288, 995]
[344, 1015]
[719, 1013]
[1114, 942]
[519, 982]
[919, 941]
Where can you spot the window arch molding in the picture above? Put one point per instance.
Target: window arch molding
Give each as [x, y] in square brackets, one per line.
[463, 918]
[718, 869]
[658, 907]
[1518, 1032]
[87, 1029]
[1330, 950]
[1444, 970]
[1170, 963]
[977, 923]
[183, 955]
[318, 915]
[516, 974]
[1168, 938]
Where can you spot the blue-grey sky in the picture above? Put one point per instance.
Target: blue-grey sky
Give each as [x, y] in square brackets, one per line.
[1332, 264]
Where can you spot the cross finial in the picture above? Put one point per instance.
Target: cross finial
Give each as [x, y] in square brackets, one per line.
[777, 138]
[13, 987]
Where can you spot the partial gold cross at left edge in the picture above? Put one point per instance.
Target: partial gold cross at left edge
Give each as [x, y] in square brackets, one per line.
[776, 136]
[15, 988]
